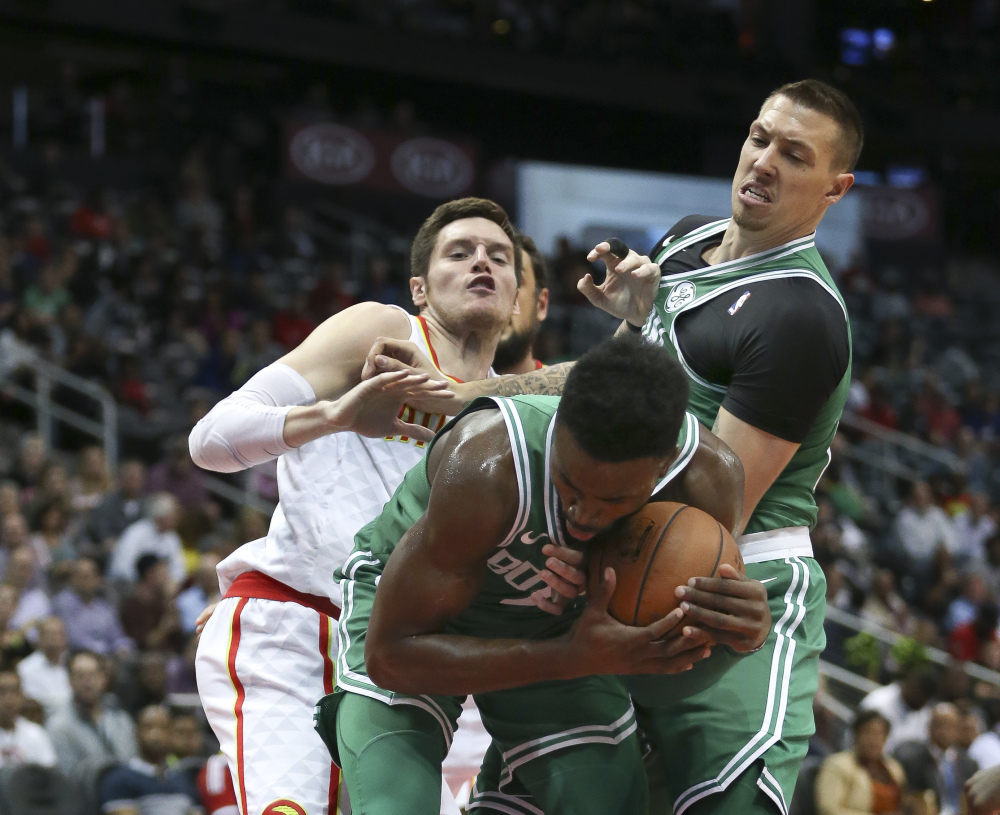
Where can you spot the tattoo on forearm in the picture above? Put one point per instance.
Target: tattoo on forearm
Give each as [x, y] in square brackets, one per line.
[547, 381]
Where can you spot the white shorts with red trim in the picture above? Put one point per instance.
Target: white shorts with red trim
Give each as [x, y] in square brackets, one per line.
[262, 665]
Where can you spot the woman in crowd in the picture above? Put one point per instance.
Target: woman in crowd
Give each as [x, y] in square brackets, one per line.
[864, 780]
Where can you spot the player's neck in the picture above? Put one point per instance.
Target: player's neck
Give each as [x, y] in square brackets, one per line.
[463, 353]
[523, 366]
[740, 243]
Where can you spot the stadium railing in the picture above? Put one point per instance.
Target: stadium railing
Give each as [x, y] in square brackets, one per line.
[47, 412]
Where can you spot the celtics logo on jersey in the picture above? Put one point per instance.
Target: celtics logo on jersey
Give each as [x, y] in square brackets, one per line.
[680, 295]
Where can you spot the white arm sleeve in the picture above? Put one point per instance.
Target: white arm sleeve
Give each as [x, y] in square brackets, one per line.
[247, 427]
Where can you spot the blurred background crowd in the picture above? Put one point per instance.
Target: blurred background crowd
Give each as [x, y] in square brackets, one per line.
[166, 231]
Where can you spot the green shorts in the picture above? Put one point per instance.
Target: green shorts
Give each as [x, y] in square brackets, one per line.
[731, 714]
[562, 745]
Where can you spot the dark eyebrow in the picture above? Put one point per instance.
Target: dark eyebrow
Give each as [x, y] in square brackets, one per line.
[784, 139]
[490, 245]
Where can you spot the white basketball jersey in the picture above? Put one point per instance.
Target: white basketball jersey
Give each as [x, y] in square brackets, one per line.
[327, 490]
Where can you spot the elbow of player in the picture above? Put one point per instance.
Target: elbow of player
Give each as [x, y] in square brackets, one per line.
[385, 667]
[209, 452]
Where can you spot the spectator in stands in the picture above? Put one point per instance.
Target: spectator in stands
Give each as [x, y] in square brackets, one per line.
[885, 607]
[14, 645]
[119, 509]
[187, 748]
[52, 542]
[21, 741]
[330, 295]
[972, 529]
[31, 458]
[32, 603]
[148, 615]
[985, 748]
[293, 324]
[14, 533]
[146, 683]
[155, 535]
[10, 500]
[921, 529]
[178, 476]
[93, 481]
[144, 782]
[181, 675]
[970, 640]
[43, 675]
[904, 704]
[964, 608]
[258, 353]
[203, 591]
[88, 728]
[863, 779]
[91, 621]
[44, 299]
[936, 764]
[187, 738]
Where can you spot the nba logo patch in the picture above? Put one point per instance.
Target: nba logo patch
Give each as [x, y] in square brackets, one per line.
[739, 303]
[680, 295]
[283, 807]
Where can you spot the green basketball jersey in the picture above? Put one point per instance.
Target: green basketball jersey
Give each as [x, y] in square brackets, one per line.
[503, 607]
[790, 501]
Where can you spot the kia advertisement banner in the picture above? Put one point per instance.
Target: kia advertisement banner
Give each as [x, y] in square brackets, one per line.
[335, 154]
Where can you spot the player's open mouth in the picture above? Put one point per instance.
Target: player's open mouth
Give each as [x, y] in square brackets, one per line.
[482, 282]
[755, 193]
[577, 533]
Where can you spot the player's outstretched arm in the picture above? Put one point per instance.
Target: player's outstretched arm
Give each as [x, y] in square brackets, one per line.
[437, 569]
[393, 355]
[298, 398]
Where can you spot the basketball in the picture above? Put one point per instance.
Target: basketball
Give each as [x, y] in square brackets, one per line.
[660, 548]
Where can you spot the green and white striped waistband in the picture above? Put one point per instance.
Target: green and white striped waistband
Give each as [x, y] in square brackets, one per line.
[776, 544]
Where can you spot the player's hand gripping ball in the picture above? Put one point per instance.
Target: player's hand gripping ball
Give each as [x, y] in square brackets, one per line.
[660, 548]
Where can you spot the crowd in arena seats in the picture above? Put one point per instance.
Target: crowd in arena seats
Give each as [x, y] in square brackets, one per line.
[172, 296]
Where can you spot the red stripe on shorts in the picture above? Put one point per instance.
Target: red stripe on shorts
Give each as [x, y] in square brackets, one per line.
[324, 648]
[234, 645]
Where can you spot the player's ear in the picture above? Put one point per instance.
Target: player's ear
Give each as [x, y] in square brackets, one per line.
[418, 291]
[543, 304]
[842, 182]
[666, 462]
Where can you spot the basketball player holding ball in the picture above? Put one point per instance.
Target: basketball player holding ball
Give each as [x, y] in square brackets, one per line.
[748, 308]
[457, 557]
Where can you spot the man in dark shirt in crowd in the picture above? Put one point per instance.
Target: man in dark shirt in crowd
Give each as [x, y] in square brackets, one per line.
[143, 785]
[118, 510]
[148, 615]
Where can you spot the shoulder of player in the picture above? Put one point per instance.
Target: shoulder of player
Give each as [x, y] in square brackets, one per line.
[365, 320]
[714, 458]
[685, 225]
[472, 471]
[714, 480]
[476, 448]
[331, 357]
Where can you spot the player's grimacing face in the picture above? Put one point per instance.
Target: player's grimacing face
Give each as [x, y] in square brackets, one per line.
[471, 274]
[789, 169]
[594, 494]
